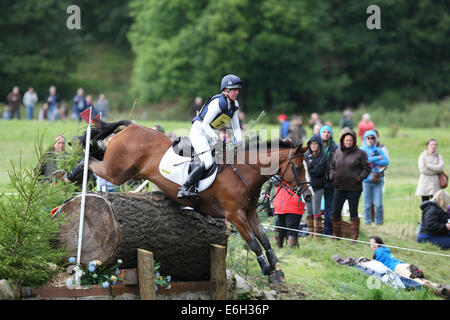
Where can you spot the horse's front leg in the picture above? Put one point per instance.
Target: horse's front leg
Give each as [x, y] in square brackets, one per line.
[252, 217]
[239, 220]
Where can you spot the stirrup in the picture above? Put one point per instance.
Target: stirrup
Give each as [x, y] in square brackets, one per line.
[186, 193]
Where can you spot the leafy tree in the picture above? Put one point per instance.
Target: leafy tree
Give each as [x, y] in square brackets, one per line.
[292, 55]
[27, 231]
[36, 48]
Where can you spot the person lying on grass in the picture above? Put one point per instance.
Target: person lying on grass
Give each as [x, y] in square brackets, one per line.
[384, 255]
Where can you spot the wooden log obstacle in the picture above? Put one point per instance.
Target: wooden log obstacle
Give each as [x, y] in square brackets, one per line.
[189, 246]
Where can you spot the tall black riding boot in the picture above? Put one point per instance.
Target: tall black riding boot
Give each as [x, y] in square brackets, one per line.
[187, 190]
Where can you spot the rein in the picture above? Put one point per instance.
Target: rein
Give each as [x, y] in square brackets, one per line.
[297, 190]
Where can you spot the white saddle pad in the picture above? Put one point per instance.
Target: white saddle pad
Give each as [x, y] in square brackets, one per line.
[175, 168]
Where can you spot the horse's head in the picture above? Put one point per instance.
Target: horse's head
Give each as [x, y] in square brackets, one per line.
[294, 171]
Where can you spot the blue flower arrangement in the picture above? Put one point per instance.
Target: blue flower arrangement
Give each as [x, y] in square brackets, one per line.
[95, 273]
[161, 281]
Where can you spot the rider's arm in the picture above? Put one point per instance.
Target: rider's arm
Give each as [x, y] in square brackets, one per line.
[213, 111]
[236, 127]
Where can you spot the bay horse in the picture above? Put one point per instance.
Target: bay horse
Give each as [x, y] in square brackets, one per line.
[136, 151]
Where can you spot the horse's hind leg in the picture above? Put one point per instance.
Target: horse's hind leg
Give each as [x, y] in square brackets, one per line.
[101, 169]
[239, 220]
[252, 217]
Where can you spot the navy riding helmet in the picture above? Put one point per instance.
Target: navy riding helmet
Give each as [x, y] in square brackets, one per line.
[230, 81]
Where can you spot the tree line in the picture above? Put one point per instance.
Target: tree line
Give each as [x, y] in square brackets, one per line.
[292, 55]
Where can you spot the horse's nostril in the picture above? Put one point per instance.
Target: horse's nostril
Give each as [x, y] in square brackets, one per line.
[308, 198]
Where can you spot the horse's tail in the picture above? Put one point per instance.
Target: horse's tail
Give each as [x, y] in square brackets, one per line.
[100, 131]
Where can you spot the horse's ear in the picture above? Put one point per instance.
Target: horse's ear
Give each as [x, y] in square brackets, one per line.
[300, 149]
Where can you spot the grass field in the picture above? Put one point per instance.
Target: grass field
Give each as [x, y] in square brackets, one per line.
[309, 269]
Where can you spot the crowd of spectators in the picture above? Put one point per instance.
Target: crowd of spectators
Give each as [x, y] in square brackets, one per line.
[52, 107]
[342, 172]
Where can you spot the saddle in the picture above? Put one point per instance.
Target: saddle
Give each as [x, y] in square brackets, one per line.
[178, 161]
[182, 146]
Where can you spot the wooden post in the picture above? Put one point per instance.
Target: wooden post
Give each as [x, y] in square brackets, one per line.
[146, 275]
[218, 272]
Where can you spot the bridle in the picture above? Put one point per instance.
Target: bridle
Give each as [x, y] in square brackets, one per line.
[300, 186]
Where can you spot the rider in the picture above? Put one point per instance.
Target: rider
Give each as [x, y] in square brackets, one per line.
[217, 112]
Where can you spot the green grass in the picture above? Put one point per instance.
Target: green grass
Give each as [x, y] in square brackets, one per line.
[309, 269]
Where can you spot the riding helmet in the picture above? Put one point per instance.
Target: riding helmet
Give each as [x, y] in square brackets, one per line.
[230, 81]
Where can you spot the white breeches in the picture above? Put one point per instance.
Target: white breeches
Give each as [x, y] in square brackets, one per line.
[200, 143]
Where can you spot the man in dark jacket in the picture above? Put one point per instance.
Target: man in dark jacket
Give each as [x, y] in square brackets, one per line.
[348, 168]
[317, 169]
[329, 147]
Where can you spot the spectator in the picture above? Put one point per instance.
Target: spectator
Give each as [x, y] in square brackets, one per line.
[105, 186]
[63, 111]
[43, 112]
[317, 167]
[296, 131]
[172, 135]
[410, 271]
[329, 147]
[348, 168]
[315, 118]
[53, 99]
[102, 106]
[364, 125]
[431, 163]
[264, 207]
[223, 135]
[90, 103]
[288, 210]
[435, 224]
[29, 100]
[79, 104]
[14, 101]
[316, 129]
[197, 106]
[157, 127]
[386, 153]
[284, 126]
[373, 184]
[380, 145]
[49, 164]
[346, 121]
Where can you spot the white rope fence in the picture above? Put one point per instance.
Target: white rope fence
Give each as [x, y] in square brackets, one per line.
[271, 227]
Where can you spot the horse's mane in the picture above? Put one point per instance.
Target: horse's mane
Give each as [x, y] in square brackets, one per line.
[269, 144]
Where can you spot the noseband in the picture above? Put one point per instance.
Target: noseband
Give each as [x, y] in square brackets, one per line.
[300, 186]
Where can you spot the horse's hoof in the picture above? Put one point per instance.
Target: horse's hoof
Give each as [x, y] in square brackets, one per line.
[280, 275]
[274, 278]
